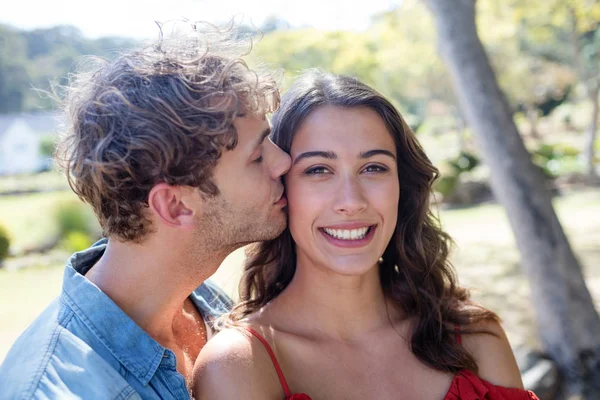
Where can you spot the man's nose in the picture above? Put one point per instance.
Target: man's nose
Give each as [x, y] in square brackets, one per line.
[279, 161]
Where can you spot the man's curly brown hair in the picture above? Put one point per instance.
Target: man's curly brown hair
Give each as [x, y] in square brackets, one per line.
[160, 114]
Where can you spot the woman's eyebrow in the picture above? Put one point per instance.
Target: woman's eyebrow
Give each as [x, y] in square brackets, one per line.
[331, 155]
[374, 152]
[308, 154]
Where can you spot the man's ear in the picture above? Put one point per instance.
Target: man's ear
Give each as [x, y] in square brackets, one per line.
[175, 206]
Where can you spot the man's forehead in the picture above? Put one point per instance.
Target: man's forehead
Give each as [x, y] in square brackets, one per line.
[252, 121]
[252, 128]
[252, 116]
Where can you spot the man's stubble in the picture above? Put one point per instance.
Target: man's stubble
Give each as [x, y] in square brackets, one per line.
[223, 228]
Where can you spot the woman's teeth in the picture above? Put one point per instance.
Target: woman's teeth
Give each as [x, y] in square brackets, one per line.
[348, 234]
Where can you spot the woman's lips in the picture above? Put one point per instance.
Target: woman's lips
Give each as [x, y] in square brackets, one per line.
[350, 243]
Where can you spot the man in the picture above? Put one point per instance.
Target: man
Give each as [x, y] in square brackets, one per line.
[169, 145]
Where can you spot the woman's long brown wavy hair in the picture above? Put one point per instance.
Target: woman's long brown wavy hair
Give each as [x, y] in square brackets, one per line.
[415, 272]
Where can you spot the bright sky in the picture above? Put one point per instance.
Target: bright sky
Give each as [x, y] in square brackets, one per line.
[135, 18]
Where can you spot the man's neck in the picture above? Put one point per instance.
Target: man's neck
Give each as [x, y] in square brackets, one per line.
[150, 283]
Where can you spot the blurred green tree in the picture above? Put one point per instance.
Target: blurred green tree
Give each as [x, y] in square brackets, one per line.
[40, 58]
[14, 76]
[566, 32]
[296, 50]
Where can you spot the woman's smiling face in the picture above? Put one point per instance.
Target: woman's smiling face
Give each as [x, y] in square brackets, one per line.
[342, 189]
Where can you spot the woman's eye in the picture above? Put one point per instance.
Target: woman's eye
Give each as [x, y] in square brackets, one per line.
[316, 171]
[259, 160]
[375, 168]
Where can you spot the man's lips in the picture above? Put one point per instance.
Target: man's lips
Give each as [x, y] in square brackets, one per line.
[282, 201]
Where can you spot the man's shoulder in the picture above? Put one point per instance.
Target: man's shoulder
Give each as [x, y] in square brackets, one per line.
[50, 361]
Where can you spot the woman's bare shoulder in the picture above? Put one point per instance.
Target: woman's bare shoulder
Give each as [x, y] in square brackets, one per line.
[493, 354]
[233, 365]
[230, 346]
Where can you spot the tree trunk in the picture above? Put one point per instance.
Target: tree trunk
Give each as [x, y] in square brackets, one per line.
[568, 323]
[593, 90]
[532, 115]
[461, 128]
[590, 141]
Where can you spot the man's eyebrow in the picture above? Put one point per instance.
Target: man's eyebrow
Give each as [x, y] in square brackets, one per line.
[371, 153]
[324, 154]
[263, 136]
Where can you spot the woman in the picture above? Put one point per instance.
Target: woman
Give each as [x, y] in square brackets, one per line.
[357, 298]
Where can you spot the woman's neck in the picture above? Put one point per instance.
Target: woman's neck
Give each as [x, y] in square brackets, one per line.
[325, 304]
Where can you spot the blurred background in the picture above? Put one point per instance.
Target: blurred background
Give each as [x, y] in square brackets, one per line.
[545, 55]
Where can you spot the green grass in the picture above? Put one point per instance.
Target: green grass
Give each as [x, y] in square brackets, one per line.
[486, 259]
[27, 288]
[23, 295]
[45, 181]
[29, 219]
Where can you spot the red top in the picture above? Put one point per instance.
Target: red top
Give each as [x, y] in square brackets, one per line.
[466, 385]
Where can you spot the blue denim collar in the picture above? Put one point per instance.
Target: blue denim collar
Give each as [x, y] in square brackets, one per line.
[130, 345]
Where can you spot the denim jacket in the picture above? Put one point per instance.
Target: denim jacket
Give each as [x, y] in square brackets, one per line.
[84, 346]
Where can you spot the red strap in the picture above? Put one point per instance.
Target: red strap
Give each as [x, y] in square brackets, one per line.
[286, 388]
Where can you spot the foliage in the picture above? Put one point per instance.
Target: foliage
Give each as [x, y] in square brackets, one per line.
[39, 182]
[30, 219]
[447, 180]
[556, 159]
[452, 169]
[530, 43]
[409, 69]
[76, 241]
[14, 74]
[446, 185]
[397, 55]
[300, 49]
[566, 33]
[4, 243]
[464, 162]
[533, 84]
[48, 145]
[73, 216]
[41, 57]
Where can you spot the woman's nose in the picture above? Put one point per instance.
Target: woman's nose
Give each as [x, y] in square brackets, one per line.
[350, 199]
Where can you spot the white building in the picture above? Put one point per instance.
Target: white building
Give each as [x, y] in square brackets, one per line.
[20, 139]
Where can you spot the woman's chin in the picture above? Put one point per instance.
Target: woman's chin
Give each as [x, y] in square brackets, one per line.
[352, 265]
